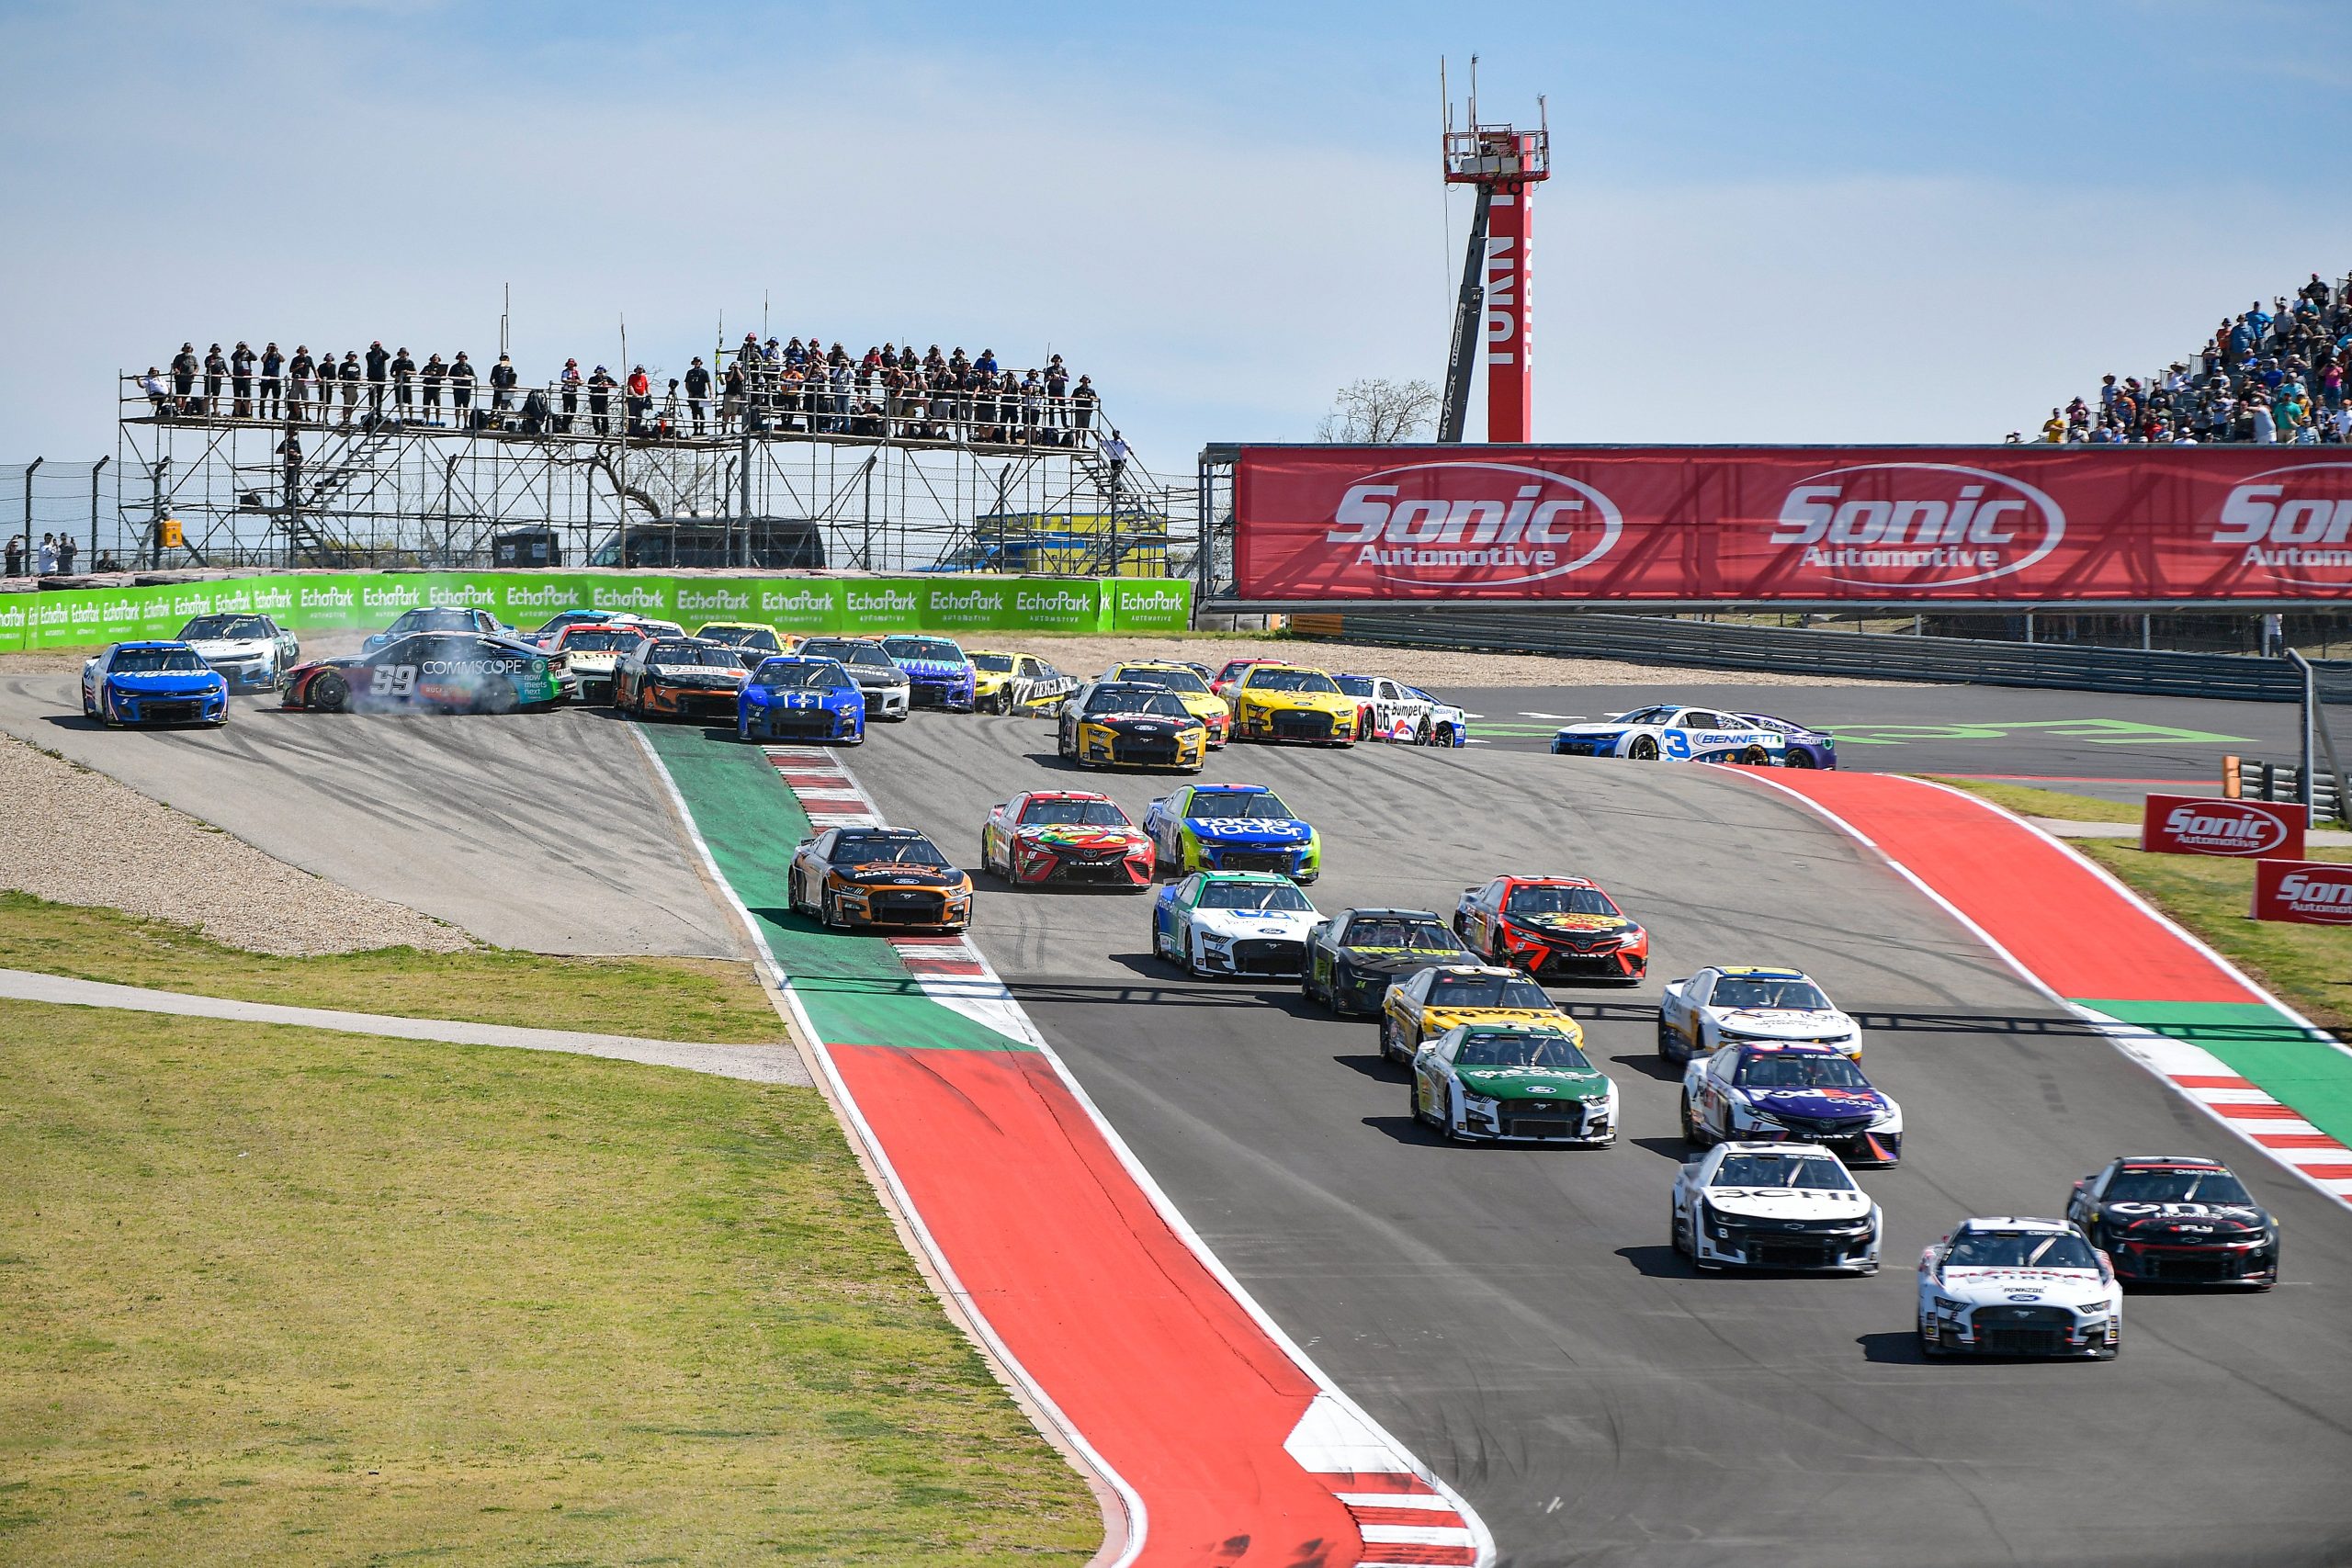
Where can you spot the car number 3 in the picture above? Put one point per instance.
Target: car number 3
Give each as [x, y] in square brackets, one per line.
[394, 681]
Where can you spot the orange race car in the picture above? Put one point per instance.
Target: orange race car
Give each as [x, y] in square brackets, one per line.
[1558, 928]
[879, 876]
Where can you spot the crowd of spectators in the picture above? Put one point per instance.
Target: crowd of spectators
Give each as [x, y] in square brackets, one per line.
[2268, 375]
[889, 393]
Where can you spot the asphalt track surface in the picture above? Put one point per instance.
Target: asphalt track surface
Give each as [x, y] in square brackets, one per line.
[543, 832]
[1517, 1317]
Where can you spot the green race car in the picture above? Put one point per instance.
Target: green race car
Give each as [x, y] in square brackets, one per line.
[1232, 828]
[1513, 1083]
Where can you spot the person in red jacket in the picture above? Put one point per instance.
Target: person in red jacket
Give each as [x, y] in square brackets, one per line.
[640, 399]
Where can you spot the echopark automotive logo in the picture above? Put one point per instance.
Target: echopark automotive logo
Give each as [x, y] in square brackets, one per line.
[2294, 521]
[2225, 828]
[1473, 525]
[1918, 523]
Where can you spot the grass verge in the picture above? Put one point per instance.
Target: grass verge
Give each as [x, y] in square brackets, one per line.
[661, 999]
[2028, 801]
[277, 1295]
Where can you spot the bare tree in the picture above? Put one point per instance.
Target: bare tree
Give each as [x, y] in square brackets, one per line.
[1377, 411]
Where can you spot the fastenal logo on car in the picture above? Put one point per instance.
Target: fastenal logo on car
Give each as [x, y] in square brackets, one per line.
[1918, 523]
[2316, 893]
[2295, 518]
[1473, 525]
[2248, 829]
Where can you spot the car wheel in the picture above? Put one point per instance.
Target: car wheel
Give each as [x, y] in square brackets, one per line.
[497, 697]
[792, 904]
[1794, 757]
[2110, 1351]
[1642, 749]
[1667, 1038]
[1931, 1345]
[1421, 1114]
[1391, 1048]
[1693, 1133]
[1442, 736]
[329, 691]
[1678, 1233]
[1755, 757]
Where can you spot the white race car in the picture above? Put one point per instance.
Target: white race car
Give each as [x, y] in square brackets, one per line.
[248, 650]
[1233, 922]
[2004, 1286]
[1675, 734]
[1390, 710]
[1513, 1083]
[1728, 1003]
[1774, 1206]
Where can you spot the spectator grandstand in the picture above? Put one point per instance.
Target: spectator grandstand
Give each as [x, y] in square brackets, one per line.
[2268, 374]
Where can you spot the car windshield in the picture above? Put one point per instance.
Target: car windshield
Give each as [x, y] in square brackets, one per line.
[1169, 680]
[1502, 1049]
[740, 637]
[1273, 677]
[1558, 901]
[848, 652]
[1805, 1173]
[600, 639]
[1252, 895]
[441, 619]
[1231, 803]
[2035, 1249]
[1414, 936]
[1487, 992]
[994, 663]
[1354, 685]
[692, 653]
[936, 648]
[224, 629]
[801, 675]
[1237, 668]
[1073, 813]
[158, 661]
[556, 622]
[1646, 716]
[2177, 1186]
[1806, 1071]
[1135, 699]
[869, 849]
[1745, 991]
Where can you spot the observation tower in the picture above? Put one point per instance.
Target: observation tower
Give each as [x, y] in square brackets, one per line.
[1504, 164]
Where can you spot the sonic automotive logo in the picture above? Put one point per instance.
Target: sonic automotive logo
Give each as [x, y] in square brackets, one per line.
[1473, 525]
[1918, 523]
[2312, 892]
[2298, 516]
[2224, 827]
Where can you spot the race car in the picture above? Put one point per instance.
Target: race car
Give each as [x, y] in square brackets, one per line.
[678, 676]
[2177, 1219]
[790, 697]
[938, 675]
[544, 636]
[248, 650]
[1390, 710]
[453, 672]
[877, 876]
[1117, 724]
[1353, 956]
[1065, 835]
[1232, 922]
[1232, 828]
[2003, 1285]
[1190, 689]
[888, 693]
[1448, 725]
[1284, 702]
[1011, 683]
[1553, 927]
[1800, 747]
[1674, 734]
[1769, 1092]
[152, 682]
[1732, 1003]
[751, 640]
[1513, 1083]
[439, 618]
[590, 649]
[1225, 680]
[1425, 1004]
[1749, 1206]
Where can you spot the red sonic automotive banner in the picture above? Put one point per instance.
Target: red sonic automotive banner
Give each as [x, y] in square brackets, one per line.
[2316, 893]
[2250, 829]
[2014, 525]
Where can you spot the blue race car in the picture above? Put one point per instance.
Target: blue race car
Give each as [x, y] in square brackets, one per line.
[438, 618]
[1789, 1091]
[1232, 828]
[938, 675]
[1800, 747]
[790, 697]
[1673, 732]
[152, 682]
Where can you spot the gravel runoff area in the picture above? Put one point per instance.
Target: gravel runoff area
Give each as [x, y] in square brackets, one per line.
[73, 836]
[1438, 668]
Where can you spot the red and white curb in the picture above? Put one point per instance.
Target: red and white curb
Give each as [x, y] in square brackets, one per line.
[828, 793]
[1403, 1520]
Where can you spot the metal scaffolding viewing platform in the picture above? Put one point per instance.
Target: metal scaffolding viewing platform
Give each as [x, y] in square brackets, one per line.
[939, 485]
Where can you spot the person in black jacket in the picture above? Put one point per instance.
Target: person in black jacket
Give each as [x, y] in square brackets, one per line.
[273, 378]
[403, 382]
[600, 400]
[698, 391]
[184, 368]
[289, 455]
[351, 375]
[240, 379]
[503, 380]
[377, 362]
[461, 389]
[216, 370]
[435, 374]
[301, 369]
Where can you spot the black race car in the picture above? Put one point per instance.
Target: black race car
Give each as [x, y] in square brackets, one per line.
[2177, 1219]
[454, 672]
[1352, 956]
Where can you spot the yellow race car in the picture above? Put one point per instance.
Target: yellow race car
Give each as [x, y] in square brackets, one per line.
[1190, 689]
[1426, 1004]
[1015, 683]
[751, 640]
[1285, 702]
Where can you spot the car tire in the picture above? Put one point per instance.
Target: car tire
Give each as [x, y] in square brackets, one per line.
[1389, 1049]
[1676, 1233]
[1933, 1348]
[1668, 1039]
[1420, 1115]
[498, 697]
[1794, 758]
[1641, 748]
[329, 693]
[1695, 1135]
[828, 910]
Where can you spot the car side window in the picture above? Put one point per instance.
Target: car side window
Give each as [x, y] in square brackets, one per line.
[1188, 891]
[1026, 668]
[823, 847]
[1695, 993]
[1723, 1064]
[1699, 718]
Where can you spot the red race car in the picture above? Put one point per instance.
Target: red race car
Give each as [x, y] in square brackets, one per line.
[1065, 835]
[1554, 928]
[1231, 676]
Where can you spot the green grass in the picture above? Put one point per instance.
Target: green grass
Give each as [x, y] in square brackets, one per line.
[281, 1296]
[2028, 801]
[660, 998]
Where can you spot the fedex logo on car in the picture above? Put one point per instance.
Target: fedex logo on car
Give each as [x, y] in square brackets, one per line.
[2314, 893]
[1919, 522]
[1429, 524]
[2297, 517]
[2247, 829]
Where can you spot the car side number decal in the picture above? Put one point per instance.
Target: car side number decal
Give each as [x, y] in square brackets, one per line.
[394, 680]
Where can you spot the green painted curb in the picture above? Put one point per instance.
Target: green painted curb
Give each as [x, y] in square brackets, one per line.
[2261, 1044]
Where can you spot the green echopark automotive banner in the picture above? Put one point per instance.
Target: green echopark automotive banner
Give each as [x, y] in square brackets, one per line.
[326, 601]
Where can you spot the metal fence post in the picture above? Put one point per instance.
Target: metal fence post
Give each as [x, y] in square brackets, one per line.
[2303, 754]
[94, 506]
[32, 562]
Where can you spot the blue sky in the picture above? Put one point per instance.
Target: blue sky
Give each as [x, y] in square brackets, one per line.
[1772, 222]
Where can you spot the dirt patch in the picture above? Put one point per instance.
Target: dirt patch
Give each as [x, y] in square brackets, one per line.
[73, 836]
[1436, 667]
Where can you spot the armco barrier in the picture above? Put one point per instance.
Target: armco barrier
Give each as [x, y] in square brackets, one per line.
[1644, 639]
[327, 602]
